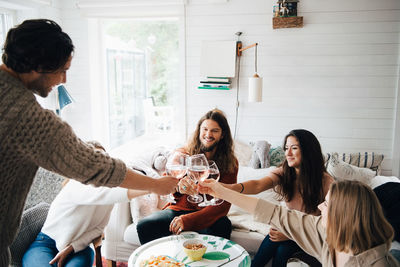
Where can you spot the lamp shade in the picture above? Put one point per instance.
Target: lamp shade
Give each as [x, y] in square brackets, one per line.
[64, 98]
[255, 88]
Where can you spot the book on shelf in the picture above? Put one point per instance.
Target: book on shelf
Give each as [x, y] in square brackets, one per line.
[218, 79]
[214, 86]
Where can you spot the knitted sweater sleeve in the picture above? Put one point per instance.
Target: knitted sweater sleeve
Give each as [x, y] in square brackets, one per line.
[43, 138]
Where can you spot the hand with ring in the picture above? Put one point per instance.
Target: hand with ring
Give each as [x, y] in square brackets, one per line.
[176, 225]
[187, 186]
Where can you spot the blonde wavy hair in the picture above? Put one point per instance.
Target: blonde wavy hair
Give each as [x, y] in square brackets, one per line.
[355, 220]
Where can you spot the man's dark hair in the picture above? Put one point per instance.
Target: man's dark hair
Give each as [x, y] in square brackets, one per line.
[37, 45]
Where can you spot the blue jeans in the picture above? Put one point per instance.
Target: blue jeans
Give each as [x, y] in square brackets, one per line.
[44, 249]
[157, 224]
[396, 254]
[279, 251]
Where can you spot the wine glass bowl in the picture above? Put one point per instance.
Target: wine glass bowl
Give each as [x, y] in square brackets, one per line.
[176, 167]
[197, 171]
[213, 173]
[176, 164]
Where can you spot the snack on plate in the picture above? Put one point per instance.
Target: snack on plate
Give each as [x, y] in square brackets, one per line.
[160, 261]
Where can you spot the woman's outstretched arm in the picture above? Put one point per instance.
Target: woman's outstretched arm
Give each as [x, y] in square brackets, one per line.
[216, 189]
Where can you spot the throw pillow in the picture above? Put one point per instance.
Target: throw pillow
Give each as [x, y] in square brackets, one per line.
[243, 153]
[277, 156]
[369, 160]
[143, 206]
[147, 204]
[341, 170]
[260, 157]
[45, 188]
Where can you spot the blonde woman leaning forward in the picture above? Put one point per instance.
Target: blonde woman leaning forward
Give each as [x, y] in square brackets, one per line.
[351, 230]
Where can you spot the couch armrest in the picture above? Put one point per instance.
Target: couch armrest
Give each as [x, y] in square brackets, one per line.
[31, 224]
[120, 218]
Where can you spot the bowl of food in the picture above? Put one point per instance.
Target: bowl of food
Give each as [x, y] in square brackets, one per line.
[194, 249]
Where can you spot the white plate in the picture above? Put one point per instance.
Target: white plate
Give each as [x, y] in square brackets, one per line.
[220, 251]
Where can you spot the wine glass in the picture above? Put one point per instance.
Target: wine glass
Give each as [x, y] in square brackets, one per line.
[197, 171]
[213, 173]
[176, 167]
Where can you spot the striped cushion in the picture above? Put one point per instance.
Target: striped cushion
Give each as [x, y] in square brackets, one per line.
[369, 160]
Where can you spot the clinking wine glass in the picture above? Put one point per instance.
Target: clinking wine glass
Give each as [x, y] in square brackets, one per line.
[176, 167]
[197, 171]
[213, 173]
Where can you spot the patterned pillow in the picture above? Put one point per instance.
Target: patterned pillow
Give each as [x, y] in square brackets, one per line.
[369, 160]
[277, 156]
[45, 188]
[341, 170]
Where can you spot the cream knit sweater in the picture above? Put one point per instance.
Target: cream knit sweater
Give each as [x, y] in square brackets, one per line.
[31, 136]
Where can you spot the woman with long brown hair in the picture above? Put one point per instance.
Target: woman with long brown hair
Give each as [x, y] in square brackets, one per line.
[301, 181]
[351, 231]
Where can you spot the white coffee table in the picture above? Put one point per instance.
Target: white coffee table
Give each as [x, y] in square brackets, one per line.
[220, 251]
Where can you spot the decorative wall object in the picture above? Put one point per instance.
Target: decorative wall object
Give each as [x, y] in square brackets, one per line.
[285, 15]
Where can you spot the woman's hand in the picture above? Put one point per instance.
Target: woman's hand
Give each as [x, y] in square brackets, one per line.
[216, 189]
[176, 226]
[276, 236]
[187, 186]
[211, 187]
[62, 255]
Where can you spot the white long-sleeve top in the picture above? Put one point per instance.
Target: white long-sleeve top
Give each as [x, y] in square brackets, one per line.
[80, 213]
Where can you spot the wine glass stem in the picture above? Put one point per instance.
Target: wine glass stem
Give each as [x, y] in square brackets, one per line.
[205, 199]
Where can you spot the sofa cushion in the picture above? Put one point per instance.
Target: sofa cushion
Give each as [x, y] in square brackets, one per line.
[242, 220]
[250, 241]
[31, 223]
[380, 180]
[369, 160]
[131, 235]
[143, 206]
[248, 173]
[45, 188]
[341, 170]
[243, 153]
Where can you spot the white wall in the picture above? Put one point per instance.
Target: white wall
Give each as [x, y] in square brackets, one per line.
[337, 76]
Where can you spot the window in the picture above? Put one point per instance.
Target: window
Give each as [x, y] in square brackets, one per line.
[142, 73]
[6, 22]
[126, 88]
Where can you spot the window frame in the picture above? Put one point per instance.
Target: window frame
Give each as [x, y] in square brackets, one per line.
[98, 83]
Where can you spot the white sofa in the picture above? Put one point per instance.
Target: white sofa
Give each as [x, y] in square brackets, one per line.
[121, 237]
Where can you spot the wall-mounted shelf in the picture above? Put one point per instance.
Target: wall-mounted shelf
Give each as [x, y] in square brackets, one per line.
[287, 22]
[214, 88]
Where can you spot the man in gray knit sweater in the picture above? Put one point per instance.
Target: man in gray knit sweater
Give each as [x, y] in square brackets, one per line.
[36, 57]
